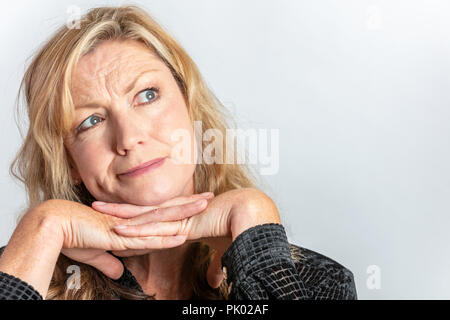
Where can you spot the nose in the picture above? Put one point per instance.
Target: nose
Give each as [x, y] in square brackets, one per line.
[128, 132]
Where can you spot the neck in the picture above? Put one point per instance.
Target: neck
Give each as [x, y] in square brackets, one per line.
[164, 273]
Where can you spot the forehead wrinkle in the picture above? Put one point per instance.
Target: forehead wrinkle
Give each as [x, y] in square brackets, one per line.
[114, 89]
[105, 71]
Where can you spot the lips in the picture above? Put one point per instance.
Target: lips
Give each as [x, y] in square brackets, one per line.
[142, 165]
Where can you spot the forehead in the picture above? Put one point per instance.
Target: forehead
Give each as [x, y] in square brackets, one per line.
[114, 62]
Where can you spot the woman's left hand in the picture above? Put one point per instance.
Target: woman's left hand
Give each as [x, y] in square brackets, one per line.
[226, 216]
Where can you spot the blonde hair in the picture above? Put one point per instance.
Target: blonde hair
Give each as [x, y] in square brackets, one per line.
[43, 164]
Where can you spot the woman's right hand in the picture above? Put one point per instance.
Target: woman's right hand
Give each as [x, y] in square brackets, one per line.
[88, 233]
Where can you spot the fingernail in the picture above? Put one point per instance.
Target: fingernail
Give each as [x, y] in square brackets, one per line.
[199, 202]
[99, 203]
[179, 237]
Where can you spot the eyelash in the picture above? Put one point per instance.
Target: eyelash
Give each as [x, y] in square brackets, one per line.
[155, 89]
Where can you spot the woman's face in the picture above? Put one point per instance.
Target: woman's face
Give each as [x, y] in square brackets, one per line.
[128, 105]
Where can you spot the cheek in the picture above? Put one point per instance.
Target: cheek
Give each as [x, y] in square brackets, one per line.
[172, 119]
[90, 159]
[182, 164]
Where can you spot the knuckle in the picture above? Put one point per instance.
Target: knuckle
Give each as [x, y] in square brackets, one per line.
[127, 221]
[183, 226]
[150, 209]
[117, 220]
[156, 211]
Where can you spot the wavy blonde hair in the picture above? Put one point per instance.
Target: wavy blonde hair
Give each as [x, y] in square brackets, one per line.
[43, 165]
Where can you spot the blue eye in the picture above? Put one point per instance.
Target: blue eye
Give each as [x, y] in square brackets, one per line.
[90, 120]
[147, 95]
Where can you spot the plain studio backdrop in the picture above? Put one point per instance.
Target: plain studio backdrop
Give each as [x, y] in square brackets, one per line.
[359, 91]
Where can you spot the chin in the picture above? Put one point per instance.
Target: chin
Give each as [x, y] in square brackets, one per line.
[161, 188]
[152, 196]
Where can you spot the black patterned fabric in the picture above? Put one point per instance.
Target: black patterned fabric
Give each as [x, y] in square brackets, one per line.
[260, 264]
[12, 288]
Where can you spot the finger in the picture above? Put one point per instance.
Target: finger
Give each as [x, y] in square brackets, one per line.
[149, 229]
[154, 242]
[174, 213]
[181, 200]
[131, 252]
[121, 210]
[126, 210]
[107, 264]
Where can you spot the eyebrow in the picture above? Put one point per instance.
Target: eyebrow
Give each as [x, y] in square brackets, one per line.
[127, 90]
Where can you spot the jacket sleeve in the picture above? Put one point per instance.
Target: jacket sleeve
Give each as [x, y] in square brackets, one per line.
[259, 266]
[12, 288]
[327, 279]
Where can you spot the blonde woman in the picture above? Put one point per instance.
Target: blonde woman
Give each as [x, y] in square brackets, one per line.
[106, 193]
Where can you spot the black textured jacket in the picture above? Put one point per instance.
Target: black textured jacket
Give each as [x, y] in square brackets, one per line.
[260, 264]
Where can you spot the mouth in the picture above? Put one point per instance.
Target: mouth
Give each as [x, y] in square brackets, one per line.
[144, 167]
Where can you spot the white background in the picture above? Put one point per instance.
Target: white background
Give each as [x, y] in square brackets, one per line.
[360, 93]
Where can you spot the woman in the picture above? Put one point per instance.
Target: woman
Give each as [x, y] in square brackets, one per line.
[104, 101]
